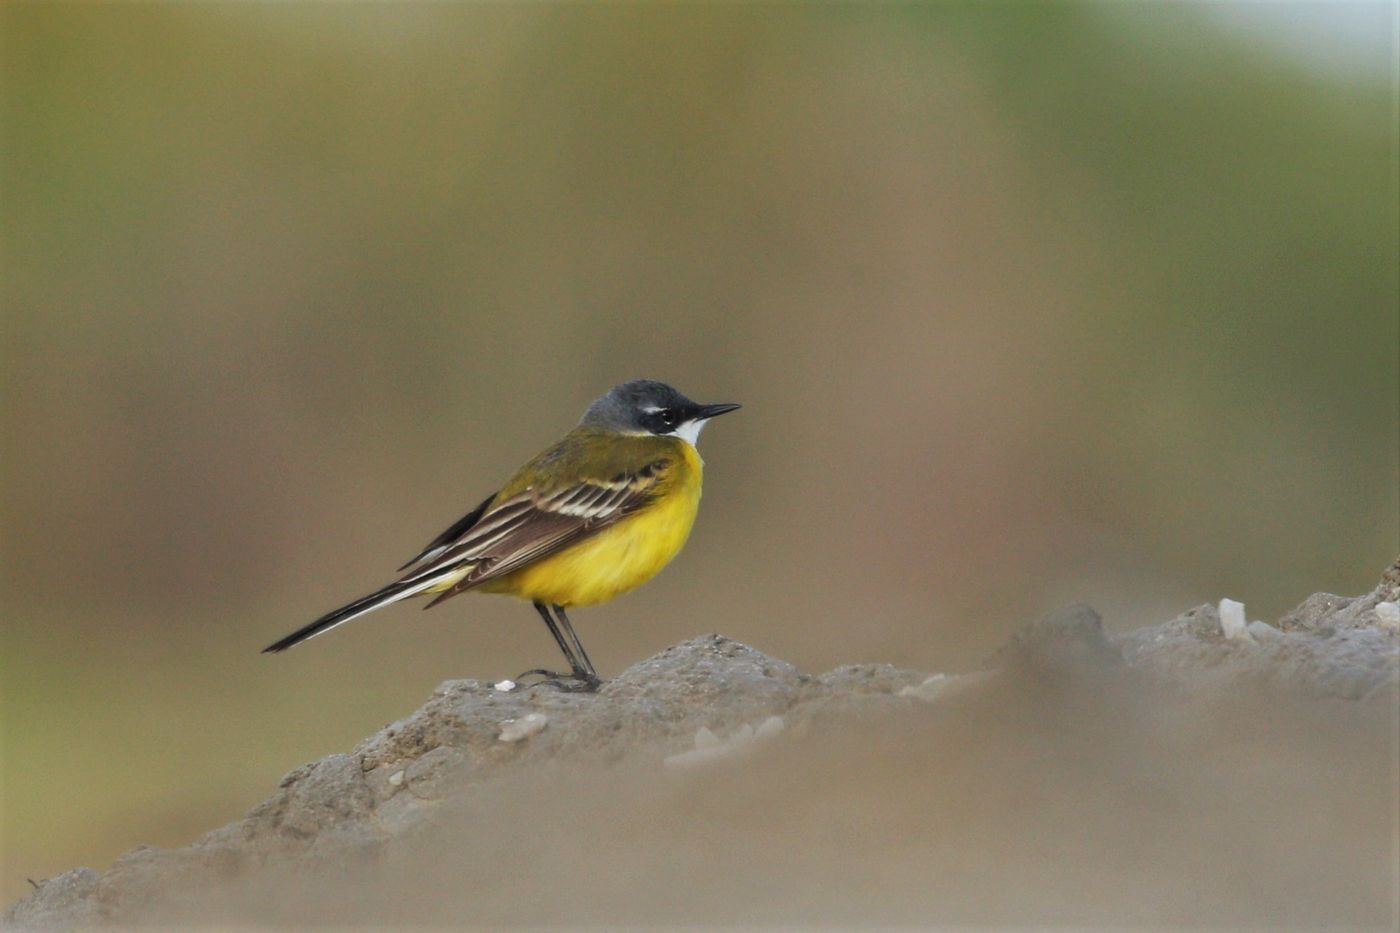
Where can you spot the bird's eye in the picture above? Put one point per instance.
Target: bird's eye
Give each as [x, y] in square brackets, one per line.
[668, 417]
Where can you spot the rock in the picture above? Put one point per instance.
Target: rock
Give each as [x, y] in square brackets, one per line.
[859, 679]
[65, 900]
[1062, 645]
[431, 776]
[1060, 687]
[1309, 615]
[1328, 646]
[330, 792]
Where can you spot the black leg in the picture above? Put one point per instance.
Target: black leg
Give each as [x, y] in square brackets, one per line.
[587, 670]
[584, 678]
[581, 677]
[564, 646]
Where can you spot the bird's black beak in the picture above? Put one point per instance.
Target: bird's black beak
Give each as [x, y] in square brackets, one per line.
[709, 411]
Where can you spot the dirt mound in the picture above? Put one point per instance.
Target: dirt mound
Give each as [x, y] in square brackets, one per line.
[1206, 769]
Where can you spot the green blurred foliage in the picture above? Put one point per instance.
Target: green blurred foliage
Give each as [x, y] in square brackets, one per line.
[1027, 303]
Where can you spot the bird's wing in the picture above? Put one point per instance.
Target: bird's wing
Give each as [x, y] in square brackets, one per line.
[458, 528]
[538, 521]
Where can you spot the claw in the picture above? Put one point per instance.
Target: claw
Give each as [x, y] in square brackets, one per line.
[575, 682]
[547, 674]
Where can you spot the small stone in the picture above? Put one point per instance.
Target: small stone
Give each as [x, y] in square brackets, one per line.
[930, 689]
[1233, 622]
[1067, 642]
[684, 761]
[709, 747]
[940, 686]
[513, 730]
[769, 728]
[396, 778]
[1388, 615]
[1263, 631]
[504, 686]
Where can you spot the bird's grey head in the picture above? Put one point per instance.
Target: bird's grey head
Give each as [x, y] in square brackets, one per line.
[645, 406]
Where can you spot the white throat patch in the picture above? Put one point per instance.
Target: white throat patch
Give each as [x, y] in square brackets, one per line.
[689, 431]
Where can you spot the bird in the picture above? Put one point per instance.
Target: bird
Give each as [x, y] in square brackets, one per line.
[597, 514]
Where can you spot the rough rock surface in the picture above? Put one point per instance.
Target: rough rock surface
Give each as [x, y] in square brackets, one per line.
[1329, 646]
[353, 809]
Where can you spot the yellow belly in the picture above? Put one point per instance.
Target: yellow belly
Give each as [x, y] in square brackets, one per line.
[616, 559]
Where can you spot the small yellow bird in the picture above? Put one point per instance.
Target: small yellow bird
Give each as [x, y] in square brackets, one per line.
[595, 515]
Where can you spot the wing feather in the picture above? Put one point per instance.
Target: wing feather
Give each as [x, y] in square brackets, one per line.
[532, 524]
[454, 531]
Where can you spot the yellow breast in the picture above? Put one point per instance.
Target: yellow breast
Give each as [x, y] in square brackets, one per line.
[621, 557]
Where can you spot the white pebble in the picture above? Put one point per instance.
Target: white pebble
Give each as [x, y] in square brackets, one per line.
[513, 730]
[1233, 622]
[505, 686]
[682, 761]
[930, 689]
[710, 747]
[769, 728]
[1388, 615]
[1263, 631]
[938, 686]
[396, 778]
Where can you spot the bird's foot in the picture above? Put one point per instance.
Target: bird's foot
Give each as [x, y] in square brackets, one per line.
[573, 682]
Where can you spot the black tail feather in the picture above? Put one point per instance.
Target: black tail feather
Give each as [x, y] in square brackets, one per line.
[330, 620]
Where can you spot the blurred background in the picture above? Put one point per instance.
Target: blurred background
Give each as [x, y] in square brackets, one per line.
[1026, 304]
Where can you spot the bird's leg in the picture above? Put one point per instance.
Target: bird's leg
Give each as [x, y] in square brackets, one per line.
[581, 671]
[564, 646]
[584, 671]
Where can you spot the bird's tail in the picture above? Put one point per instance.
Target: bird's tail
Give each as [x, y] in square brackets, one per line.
[400, 589]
